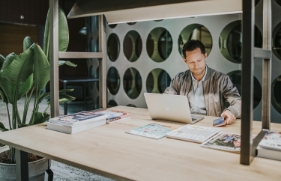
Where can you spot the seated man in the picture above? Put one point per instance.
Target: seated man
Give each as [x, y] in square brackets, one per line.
[205, 88]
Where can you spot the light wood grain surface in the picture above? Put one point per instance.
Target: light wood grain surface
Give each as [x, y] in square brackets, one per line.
[109, 151]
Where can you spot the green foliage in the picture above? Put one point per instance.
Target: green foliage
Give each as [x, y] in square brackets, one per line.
[26, 75]
[63, 38]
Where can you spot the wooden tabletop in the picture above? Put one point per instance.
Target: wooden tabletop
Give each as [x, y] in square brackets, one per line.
[109, 151]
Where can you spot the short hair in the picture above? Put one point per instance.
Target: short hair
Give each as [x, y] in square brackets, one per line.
[192, 45]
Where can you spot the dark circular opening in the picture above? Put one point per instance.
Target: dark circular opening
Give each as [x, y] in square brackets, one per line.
[132, 46]
[278, 2]
[113, 47]
[131, 105]
[230, 41]
[131, 23]
[132, 83]
[195, 32]
[235, 77]
[113, 80]
[112, 26]
[159, 44]
[276, 94]
[111, 103]
[157, 81]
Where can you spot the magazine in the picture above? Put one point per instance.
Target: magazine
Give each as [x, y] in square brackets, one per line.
[224, 141]
[113, 115]
[152, 130]
[271, 140]
[77, 118]
[193, 133]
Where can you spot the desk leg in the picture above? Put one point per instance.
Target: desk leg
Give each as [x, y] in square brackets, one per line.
[65, 104]
[84, 84]
[22, 165]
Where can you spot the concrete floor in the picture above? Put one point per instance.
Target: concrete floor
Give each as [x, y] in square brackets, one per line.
[62, 172]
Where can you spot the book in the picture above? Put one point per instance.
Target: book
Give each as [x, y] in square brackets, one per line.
[268, 153]
[270, 146]
[152, 130]
[113, 115]
[77, 118]
[70, 129]
[193, 133]
[271, 140]
[224, 141]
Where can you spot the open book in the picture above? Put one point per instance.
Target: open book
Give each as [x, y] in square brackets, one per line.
[193, 133]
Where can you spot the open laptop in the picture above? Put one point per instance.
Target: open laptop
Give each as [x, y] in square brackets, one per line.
[170, 107]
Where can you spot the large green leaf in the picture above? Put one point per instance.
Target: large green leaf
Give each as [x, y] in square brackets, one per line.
[2, 127]
[66, 62]
[40, 118]
[27, 42]
[41, 68]
[2, 58]
[8, 60]
[63, 33]
[16, 76]
[3, 96]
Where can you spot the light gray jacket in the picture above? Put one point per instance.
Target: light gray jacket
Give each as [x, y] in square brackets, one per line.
[217, 89]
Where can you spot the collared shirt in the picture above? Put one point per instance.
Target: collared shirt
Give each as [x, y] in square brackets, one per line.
[196, 96]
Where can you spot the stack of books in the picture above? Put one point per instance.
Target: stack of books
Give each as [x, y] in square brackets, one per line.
[270, 146]
[77, 122]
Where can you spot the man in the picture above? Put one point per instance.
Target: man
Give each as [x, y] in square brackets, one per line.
[206, 89]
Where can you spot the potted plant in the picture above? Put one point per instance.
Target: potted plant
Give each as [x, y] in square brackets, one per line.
[26, 75]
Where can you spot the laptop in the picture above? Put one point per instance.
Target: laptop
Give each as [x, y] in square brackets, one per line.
[170, 107]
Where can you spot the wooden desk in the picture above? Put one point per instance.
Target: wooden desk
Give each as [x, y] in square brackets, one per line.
[109, 151]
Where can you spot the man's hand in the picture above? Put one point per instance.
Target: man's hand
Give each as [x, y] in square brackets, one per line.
[228, 117]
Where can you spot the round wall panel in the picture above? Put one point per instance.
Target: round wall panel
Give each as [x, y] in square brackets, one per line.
[230, 41]
[278, 2]
[195, 32]
[111, 103]
[276, 94]
[132, 46]
[113, 80]
[235, 77]
[132, 83]
[277, 41]
[159, 44]
[113, 47]
[157, 81]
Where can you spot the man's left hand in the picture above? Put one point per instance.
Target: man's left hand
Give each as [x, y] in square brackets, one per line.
[228, 116]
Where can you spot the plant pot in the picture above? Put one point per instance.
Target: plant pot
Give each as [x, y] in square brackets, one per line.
[36, 170]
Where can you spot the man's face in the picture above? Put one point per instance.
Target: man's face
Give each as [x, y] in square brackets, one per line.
[196, 61]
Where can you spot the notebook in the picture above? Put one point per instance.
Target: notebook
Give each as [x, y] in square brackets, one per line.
[170, 107]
